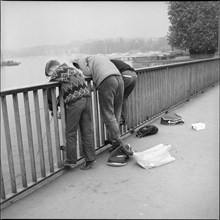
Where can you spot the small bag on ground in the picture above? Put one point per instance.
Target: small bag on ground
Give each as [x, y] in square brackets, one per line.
[171, 119]
[154, 157]
[147, 130]
[120, 155]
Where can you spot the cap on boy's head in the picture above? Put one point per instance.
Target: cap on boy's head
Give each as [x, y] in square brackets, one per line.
[50, 64]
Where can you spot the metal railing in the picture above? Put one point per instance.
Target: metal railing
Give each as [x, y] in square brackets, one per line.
[31, 137]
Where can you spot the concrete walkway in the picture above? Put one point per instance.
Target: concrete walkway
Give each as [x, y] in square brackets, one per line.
[187, 188]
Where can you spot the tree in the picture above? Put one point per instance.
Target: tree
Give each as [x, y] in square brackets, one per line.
[194, 26]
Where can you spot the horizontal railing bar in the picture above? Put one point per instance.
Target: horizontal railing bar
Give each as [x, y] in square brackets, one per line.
[29, 88]
[175, 64]
[34, 87]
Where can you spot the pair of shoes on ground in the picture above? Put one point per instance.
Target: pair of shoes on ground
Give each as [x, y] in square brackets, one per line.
[87, 165]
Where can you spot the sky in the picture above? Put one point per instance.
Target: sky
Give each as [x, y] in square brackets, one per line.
[34, 23]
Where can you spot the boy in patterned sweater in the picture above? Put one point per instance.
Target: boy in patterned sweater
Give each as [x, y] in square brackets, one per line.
[77, 101]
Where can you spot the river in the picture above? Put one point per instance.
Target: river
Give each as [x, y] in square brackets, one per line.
[29, 72]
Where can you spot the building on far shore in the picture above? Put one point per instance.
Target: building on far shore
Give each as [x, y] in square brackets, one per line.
[138, 59]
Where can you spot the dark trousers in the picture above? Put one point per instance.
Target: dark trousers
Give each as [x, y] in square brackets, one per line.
[78, 115]
[130, 78]
[110, 98]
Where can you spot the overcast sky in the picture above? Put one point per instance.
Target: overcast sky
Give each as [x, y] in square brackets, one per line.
[33, 23]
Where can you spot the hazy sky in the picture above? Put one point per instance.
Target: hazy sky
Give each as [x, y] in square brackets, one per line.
[33, 23]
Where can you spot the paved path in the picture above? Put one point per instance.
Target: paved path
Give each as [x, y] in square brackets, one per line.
[187, 188]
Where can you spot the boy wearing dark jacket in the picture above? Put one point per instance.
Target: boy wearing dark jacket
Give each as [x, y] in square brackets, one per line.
[130, 77]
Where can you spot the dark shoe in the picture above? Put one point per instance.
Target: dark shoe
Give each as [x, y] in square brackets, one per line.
[87, 165]
[131, 130]
[107, 142]
[67, 163]
[111, 149]
[126, 148]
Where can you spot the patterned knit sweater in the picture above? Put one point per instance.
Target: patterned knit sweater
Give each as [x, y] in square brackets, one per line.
[73, 83]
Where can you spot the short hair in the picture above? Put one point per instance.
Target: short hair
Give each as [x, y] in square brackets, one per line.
[49, 65]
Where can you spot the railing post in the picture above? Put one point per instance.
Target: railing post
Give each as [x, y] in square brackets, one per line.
[3, 196]
[19, 140]
[48, 131]
[8, 145]
[39, 133]
[30, 136]
[56, 127]
[63, 120]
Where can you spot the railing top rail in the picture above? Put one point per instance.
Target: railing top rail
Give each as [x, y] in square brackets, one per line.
[29, 88]
[176, 64]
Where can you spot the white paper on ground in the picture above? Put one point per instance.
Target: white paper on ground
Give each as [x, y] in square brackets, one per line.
[154, 157]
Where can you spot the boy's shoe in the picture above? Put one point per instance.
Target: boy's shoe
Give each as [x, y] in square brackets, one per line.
[67, 163]
[111, 149]
[87, 165]
[126, 149]
[107, 142]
